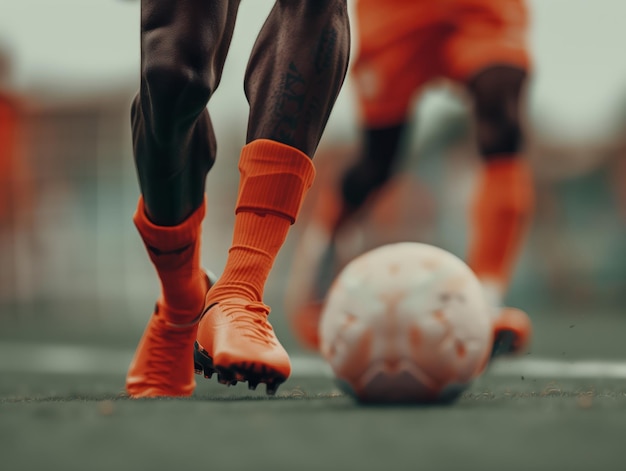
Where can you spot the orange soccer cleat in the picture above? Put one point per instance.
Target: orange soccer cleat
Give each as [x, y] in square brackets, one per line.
[236, 341]
[162, 365]
[512, 331]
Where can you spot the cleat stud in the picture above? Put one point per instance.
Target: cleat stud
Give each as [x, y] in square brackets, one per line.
[225, 378]
[271, 388]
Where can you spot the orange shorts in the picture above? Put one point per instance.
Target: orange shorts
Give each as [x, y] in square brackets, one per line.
[403, 44]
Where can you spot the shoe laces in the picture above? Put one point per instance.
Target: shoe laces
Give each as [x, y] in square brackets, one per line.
[251, 319]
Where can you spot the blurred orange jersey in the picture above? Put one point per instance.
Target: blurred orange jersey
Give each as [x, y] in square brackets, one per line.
[403, 44]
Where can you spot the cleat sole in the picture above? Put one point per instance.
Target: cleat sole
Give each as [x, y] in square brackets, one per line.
[512, 333]
[504, 344]
[243, 372]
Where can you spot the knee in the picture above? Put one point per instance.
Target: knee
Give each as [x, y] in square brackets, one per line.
[172, 94]
[497, 94]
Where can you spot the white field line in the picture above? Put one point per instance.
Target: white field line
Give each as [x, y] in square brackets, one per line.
[77, 360]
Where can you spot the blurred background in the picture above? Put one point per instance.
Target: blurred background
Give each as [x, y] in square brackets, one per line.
[72, 267]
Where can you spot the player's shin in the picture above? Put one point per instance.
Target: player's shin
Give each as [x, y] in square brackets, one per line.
[500, 216]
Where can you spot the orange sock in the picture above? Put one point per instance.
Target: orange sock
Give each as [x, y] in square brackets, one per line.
[501, 212]
[175, 253]
[274, 180]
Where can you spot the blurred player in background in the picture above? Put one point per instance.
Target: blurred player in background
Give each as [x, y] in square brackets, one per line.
[9, 162]
[295, 71]
[404, 45]
[16, 182]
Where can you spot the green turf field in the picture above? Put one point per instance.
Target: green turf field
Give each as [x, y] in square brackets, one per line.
[56, 422]
[554, 409]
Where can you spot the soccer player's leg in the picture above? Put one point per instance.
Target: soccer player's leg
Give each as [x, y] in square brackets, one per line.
[295, 72]
[174, 148]
[488, 53]
[504, 199]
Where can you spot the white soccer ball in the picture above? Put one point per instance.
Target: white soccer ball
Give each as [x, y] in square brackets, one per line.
[406, 322]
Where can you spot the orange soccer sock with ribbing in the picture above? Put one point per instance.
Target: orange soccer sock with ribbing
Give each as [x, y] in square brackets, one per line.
[274, 180]
[502, 209]
[175, 253]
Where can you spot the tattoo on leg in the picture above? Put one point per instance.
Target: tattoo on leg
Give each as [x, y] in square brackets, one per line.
[289, 105]
[325, 50]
